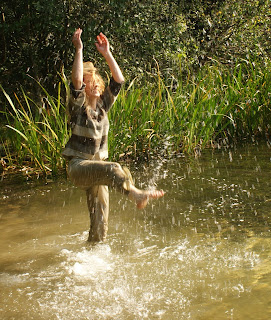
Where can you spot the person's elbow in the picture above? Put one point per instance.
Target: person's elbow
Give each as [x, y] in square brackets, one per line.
[120, 79]
[77, 83]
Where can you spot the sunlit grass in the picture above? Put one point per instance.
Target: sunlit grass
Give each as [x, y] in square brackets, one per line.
[207, 110]
[37, 132]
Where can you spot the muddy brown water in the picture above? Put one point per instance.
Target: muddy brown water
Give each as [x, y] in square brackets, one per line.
[202, 252]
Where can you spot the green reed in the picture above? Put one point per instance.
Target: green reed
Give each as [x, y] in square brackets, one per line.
[37, 132]
[207, 110]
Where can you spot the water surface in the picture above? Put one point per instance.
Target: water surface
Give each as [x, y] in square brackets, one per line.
[202, 252]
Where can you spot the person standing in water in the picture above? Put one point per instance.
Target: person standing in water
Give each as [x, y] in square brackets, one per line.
[87, 148]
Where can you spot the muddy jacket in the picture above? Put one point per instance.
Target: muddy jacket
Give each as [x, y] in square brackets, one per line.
[89, 137]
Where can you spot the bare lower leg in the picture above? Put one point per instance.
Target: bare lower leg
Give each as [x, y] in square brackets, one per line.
[141, 197]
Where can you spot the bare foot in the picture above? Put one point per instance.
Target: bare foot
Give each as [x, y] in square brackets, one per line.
[141, 197]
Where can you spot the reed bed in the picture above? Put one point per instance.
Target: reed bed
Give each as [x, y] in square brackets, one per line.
[208, 110]
[36, 133]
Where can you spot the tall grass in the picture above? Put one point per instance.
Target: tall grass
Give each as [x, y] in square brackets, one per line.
[37, 132]
[217, 105]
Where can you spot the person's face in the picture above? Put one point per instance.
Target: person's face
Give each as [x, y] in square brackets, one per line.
[92, 86]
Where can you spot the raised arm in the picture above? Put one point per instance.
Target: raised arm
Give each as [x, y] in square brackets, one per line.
[77, 68]
[103, 47]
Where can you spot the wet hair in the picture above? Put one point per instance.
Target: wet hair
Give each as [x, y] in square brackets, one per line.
[92, 73]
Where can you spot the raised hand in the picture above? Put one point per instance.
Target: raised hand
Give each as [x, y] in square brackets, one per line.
[76, 39]
[102, 44]
[77, 67]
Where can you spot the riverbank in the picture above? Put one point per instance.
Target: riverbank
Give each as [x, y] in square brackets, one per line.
[214, 109]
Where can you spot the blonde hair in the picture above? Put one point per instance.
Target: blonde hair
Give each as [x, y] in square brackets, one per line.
[88, 67]
[90, 71]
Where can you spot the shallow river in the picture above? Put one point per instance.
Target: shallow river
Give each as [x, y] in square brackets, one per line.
[202, 252]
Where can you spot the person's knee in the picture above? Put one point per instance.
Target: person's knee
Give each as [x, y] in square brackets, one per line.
[116, 167]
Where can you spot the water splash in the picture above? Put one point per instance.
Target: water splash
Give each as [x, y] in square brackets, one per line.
[88, 264]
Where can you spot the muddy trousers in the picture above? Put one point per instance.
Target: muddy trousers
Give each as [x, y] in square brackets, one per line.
[95, 177]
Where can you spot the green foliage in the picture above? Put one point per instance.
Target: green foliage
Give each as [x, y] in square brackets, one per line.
[208, 110]
[37, 133]
[227, 31]
[217, 51]
[36, 36]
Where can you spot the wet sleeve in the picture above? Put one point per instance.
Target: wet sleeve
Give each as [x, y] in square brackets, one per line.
[110, 94]
[76, 99]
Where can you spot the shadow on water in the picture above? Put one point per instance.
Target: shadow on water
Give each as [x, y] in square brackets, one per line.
[202, 252]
